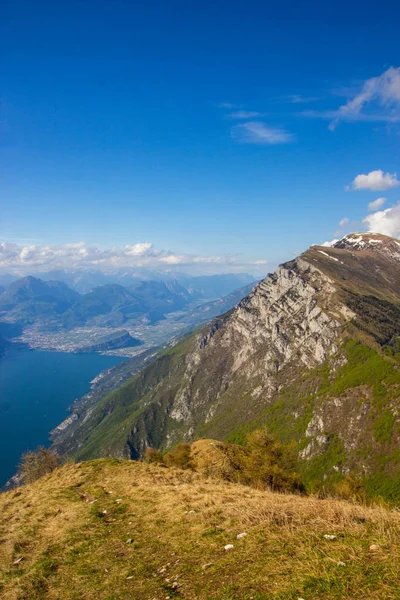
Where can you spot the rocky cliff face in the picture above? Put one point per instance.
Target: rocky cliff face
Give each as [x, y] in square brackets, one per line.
[280, 321]
[295, 356]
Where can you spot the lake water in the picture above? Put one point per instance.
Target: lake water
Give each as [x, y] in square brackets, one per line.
[36, 388]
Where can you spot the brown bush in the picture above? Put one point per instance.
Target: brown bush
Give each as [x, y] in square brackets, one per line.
[179, 457]
[261, 463]
[35, 464]
[151, 455]
[350, 488]
[219, 460]
[270, 464]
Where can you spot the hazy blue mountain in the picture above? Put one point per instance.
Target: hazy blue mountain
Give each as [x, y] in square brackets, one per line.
[215, 286]
[169, 295]
[112, 305]
[31, 297]
[53, 304]
[84, 281]
[204, 286]
[103, 300]
[29, 288]
[207, 311]
[81, 281]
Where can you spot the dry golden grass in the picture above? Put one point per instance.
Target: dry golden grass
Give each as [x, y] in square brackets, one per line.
[163, 535]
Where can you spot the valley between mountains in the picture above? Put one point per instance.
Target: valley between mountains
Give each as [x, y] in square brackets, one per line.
[312, 355]
[122, 313]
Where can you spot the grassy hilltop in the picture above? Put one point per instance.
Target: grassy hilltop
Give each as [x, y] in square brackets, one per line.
[116, 530]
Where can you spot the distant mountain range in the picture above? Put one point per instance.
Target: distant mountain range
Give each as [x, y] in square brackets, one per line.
[29, 298]
[52, 305]
[210, 287]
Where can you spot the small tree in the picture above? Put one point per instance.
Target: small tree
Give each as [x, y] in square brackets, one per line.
[35, 464]
[270, 464]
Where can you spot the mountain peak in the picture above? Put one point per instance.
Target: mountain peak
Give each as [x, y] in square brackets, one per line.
[366, 241]
[368, 262]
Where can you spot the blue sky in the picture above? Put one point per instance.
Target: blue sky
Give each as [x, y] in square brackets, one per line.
[222, 129]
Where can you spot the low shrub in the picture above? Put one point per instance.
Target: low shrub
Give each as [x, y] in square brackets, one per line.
[270, 464]
[179, 457]
[151, 455]
[35, 464]
[260, 462]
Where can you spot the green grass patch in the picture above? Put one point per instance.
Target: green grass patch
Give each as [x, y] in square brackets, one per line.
[383, 427]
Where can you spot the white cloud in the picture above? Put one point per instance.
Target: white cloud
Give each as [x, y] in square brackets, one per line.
[245, 114]
[343, 222]
[327, 244]
[375, 180]
[256, 132]
[333, 114]
[378, 100]
[35, 258]
[376, 204]
[382, 92]
[385, 221]
[138, 249]
[226, 105]
[172, 259]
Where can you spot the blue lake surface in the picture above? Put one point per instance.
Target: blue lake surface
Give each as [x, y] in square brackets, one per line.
[36, 388]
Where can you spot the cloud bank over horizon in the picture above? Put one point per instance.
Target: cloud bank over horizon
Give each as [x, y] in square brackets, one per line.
[23, 259]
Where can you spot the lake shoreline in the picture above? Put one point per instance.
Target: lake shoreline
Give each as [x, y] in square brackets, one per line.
[37, 388]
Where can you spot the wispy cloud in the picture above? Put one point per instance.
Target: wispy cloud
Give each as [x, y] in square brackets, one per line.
[332, 115]
[227, 105]
[246, 114]
[378, 100]
[36, 258]
[375, 181]
[343, 225]
[256, 132]
[376, 204]
[381, 92]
